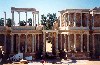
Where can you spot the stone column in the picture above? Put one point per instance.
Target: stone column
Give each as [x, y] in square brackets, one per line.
[87, 42]
[60, 19]
[5, 45]
[26, 18]
[87, 16]
[19, 43]
[32, 42]
[68, 43]
[74, 19]
[65, 20]
[19, 16]
[81, 42]
[93, 18]
[35, 42]
[61, 40]
[44, 42]
[93, 44]
[5, 18]
[57, 44]
[81, 19]
[12, 43]
[74, 42]
[65, 43]
[38, 42]
[38, 18]
[69, 19]
[35, 20]
[12, 18]
[26, 43]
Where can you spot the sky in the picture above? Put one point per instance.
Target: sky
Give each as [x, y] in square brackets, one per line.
[44, 6]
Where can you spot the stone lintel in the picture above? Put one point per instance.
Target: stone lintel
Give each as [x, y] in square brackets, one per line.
[23, 9]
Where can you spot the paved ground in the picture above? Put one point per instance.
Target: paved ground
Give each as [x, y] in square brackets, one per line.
[65, 62]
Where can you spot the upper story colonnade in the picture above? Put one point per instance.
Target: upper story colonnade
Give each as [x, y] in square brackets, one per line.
[33, 10]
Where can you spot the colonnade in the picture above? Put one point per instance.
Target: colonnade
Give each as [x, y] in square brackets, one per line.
[63, 18]
[69, 44]
[34, 18]
[26, 41]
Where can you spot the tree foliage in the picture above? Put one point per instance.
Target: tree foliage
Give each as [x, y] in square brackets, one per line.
[30, 21]
[2, 22]
[23, 23]
[9, 22]
[48, 20]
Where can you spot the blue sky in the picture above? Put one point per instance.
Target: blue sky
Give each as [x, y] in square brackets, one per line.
[44, 6]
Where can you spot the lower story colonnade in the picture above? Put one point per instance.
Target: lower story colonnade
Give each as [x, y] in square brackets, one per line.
[68, 42]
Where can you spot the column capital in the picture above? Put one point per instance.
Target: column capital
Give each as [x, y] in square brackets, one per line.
[12, 11]
[18, 12]
[26, 12]
[19, 34]
[93, 34]
[11, 34]
[26, 34]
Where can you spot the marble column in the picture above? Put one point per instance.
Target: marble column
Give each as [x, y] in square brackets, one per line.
[44, 42]
[74, 19]
[5, 19]
[93, 19]
[38, 18]
[12, 43]
[81, 19]
[12, 18]
[74, 42]
[65, 43]
[26, 43]
[65, 20]
[5, 45]
[56, 43]
[61, 40]
[93, 44]
[87, 16]
[60, 19]
[68, 19]
[26, 18]
[35, 42]
[35, 20]
[19, 16]
[68, 43]
[32, 42]
[19, 43]
[87, 42]
[81, 42]
[38, 42]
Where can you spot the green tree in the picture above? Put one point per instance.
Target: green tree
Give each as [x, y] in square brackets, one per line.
[30, 21]
[48, 20]
[9, 22]
[22, 23]
[2, 22]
